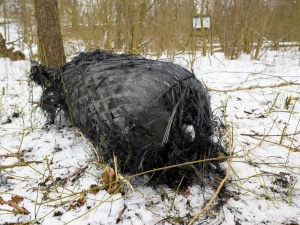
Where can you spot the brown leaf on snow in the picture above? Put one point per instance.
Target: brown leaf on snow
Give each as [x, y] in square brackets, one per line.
[186, 191]
[63, 181]
[94, 189]
[110, 180]
[120, 218]
[78, 173]
[78, 202]
[113, 189]
[17, 199]
[58, 213]
[108, 175]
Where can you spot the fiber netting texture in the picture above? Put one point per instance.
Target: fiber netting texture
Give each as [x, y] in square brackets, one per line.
[148, 113]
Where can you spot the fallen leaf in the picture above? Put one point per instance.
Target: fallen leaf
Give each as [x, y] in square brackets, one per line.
[94, 189]
[57, 213]
[187, 191]
[17, 199]
[110, 180]
[78, 202]
[120, 218]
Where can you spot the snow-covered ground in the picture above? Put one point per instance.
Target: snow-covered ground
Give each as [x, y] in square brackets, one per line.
[54, 173]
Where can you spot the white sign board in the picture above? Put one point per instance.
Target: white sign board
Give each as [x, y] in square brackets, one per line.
[197, 22]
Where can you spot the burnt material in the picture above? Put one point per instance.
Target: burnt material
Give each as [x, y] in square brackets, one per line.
[148, 113]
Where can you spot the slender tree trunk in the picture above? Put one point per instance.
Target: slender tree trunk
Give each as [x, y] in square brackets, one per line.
[50, 44]
[203, 35]
[135, 19]
[257, 48]
[298, 18]
[127, 15]
[75, 14]
[118, 26]
[5, 21]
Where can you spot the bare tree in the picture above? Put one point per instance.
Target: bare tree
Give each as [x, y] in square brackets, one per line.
[50, 44]
[298, 18]
[203, 35]
[165, 26]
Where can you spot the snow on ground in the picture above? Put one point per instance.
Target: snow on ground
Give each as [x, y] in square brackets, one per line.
[54, 172]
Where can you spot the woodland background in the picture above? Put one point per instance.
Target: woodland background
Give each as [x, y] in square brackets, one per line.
[160, 27]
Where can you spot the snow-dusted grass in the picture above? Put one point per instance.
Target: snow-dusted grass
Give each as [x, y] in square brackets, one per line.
[55, 173]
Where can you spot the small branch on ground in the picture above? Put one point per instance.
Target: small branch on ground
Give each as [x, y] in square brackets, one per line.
[269, 135]
[255, 87]
[78, 173]
[8, 210]
[202, 210]
[215, 195]
[18, 164]
[90, 144]
[13, 204]
[273, 142]
[17, 155]
[184, 164]
[50, 174]
[13, 165]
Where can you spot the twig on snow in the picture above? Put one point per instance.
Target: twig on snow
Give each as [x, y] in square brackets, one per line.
[11, 203]
[50, 174]
[90, 144]
[255, 87]
[273, 142]
[214, 196]
[269, 135]
[14, 165]
[219, 187]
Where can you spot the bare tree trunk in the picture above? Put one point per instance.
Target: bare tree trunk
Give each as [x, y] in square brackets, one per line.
[203, 35]
[5, 20]
[127, 15]
[75, 14]
[257, 48]
[135, 19]
[24, 21]
[50, 44]
[298, 18]
[118, 26]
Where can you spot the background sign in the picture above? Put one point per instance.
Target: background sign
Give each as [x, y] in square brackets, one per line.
[197, 22]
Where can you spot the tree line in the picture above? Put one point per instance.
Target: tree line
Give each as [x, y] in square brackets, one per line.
[165, 26]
